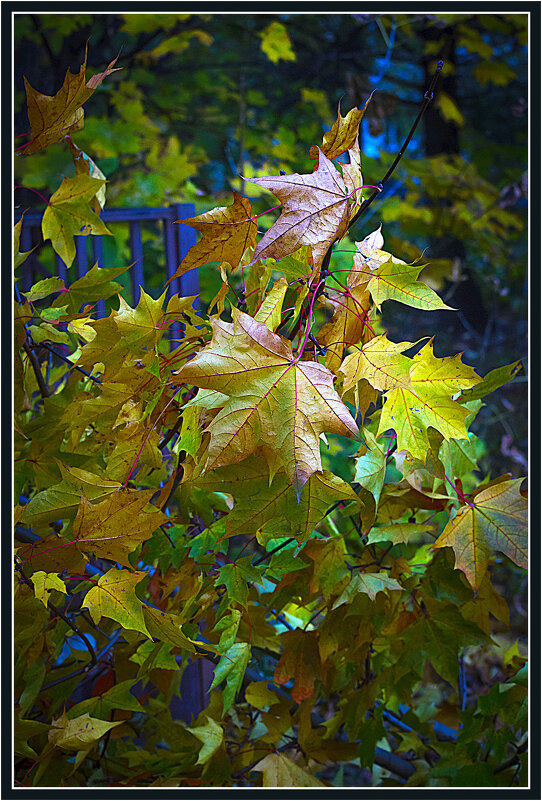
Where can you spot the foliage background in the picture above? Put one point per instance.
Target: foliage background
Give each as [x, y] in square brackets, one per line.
[205, 99]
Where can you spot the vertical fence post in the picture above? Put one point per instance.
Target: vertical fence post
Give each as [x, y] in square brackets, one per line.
[136, 250]
[98, 256]
[186, 237]
[28, 266]
[81, 255]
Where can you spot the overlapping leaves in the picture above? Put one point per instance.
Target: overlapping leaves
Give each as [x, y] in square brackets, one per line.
[274, 399]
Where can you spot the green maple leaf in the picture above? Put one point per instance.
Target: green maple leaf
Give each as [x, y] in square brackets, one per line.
[274, 399]
[370, 584]
[270, 310]
[232, 667]
[69, 214]
[46, 287]
[492, 381]
[419, 391]
[114, 597]
[117, 697]
[138, 327]
[371, 467]
[235, 576]
[398, 532]
[439, 638]
[97, 284]
[273, 510]
[19, 257]
[211, 735]
[166, 627]
[23, 731]
[276, 43]
[391, 278]
[495, 520]
[113, 528]
[329, 557]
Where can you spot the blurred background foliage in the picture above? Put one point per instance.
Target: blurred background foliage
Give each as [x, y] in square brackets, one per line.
[206, 100]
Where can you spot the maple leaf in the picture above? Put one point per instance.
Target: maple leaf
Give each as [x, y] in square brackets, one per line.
[300, 659]
[18, 257]
[280, 771]
[380, 362]
[227, 232]
[272, 510]
[68, 214]
[495, 520]
[343, 134]
[114, 597]
[390, 278]
[53, 117]
[211, 735]
[273, 398]
[139, 327]
[232, 667]
[84, 165]
[97, 284]
[492, 381]
[235, 577]
[167, 628]
[114, 527]
[270, 309]
[315, 212]
[79, 733]
[369, 583]
[45, 583]
[352, 176]
[418, 391]
[371, 467]
[439, 637]
[62, 499]
[276, 43]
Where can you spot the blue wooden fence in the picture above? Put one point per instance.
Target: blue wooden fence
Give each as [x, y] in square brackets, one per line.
[178, 239]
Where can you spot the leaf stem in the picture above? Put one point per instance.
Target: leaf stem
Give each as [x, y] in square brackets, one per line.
[459, 494]
[166, 407]
[309, 320]
[255, 216]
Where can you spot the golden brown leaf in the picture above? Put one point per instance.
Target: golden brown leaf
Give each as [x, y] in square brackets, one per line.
[227, 232]
[52, 117]
[315, 212]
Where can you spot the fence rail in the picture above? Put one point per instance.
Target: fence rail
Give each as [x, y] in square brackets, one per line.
[178, 238]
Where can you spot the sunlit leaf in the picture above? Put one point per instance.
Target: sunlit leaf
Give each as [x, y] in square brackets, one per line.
[495, 520]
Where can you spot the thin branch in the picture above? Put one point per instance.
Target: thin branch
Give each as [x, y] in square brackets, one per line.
[428, 96]
[72, 365]
[32, 358]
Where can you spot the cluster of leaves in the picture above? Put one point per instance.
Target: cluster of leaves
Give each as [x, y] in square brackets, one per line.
[174, 505]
